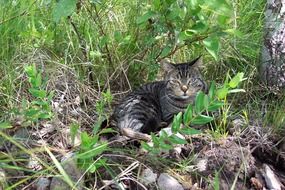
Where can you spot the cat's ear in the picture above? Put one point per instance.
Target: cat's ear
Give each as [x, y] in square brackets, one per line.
[198, 62]
[166, 65]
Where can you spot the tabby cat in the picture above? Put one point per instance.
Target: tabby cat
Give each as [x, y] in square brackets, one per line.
[144, 109]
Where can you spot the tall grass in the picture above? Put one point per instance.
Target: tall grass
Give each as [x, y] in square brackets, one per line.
[105, 48]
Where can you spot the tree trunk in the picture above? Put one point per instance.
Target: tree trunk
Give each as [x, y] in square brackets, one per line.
[272, 70]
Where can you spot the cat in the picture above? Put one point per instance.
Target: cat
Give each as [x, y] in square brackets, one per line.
[144, 109]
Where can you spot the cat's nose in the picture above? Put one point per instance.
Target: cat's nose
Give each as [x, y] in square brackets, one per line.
[184, 88]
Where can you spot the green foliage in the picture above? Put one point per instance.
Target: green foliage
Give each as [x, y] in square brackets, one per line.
[195, 115]
[63, 8]
[88, 155]
[101, 104]
[178, 23]
[5, 125]
[39, 107]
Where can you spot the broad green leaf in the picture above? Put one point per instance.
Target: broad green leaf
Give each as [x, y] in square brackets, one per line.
[201, 120]
[198, 27]
[193, 3]
[37, 81]
[215, 106]
[199, 102]
[222, 92]
[39, 103]
[142, 19]
[165, 146]
[32, 112]
[63, 8]
[166, 50]
[176, 140]
[94, 151]
[5, 125]
[176, 122]
[189, 131]
[187, 116]
[45, 115]
[146, 146]
[31, 70]
[212, 91]
[220, 7]
[236, 80]
[37, 93]
[118, 36]
[206, 102]
[155, 140]
[212, 45]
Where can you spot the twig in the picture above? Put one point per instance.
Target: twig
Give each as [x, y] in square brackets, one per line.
[176, 48]
[14, 17]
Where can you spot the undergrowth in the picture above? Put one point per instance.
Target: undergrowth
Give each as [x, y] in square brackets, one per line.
[110, 47]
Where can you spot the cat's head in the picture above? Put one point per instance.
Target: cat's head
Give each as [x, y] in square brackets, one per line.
[184, 79]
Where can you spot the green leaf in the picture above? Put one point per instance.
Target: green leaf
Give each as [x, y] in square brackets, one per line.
[176, 140]
[155, 140]
[176, 122]
[216, 181]
[37, 81]
[234, 32]
[39, 103]
[31, 70]
[85, 140]
[5, 125]
[166, 50]
[50, 96]
[37, 93]
[142, 19]
[187, 116]
[101, 162]
[93, 151]
[197, 28]
[189, 131]
[212, 91]
[215, 106]
[222, 92]
[236, 80]
[45, 115]
[199, 102]
[73, 131]
[146, 146]
[32, 112]
[212, 45]
[201, 120]
[166, 146]
[106, 131]
[63, 8]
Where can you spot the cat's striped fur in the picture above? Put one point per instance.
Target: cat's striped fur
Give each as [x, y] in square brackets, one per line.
[145, 108]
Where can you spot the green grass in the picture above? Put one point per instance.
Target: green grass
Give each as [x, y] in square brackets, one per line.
[104, 48]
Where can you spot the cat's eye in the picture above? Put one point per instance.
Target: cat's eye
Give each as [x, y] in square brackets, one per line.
[175, 82]
[195, 82]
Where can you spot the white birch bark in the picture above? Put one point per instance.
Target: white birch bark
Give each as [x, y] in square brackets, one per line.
[272, 70]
